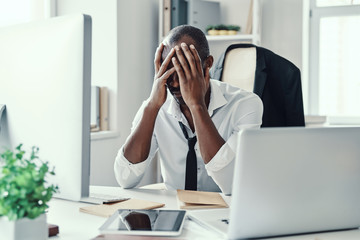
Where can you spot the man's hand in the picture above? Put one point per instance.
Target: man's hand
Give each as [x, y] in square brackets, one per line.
[194, 86]
[158, 92]
[193, 83]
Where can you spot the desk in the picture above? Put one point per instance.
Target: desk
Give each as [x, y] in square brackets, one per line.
[75, 225]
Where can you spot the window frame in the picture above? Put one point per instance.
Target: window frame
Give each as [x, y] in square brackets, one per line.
[315, 16]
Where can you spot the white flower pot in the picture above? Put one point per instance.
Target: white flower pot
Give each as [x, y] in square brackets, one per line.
[24, 229]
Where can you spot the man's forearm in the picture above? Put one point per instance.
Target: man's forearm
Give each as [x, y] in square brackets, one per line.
[208, 136]
[137, 148]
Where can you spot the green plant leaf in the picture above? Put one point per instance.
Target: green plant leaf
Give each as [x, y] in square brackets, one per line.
[18, 147]
[23, 190]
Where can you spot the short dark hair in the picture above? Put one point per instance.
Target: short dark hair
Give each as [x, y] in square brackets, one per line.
[201, 43]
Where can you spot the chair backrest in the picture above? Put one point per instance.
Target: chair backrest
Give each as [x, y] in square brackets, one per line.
[273, 78]
[239, 68]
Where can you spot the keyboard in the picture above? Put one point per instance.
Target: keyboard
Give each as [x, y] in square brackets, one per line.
[99, 198]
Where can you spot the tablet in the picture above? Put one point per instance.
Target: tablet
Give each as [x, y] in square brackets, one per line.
[145, 222]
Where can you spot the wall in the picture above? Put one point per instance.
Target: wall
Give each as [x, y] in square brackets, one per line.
[137, 23]
[281, 28]
[138, 40]
[124, 43]
[104, 43]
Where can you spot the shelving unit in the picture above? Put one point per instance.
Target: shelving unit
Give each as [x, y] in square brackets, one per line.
[252, 36]
[240, 37]
[230, 12]
[104, 135]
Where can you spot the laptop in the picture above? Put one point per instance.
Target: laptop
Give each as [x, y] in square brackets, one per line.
[291, 181]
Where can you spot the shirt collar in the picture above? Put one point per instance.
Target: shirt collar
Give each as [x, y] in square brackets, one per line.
[217, 100]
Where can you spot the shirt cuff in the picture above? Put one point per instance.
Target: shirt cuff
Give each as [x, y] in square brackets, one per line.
[128, 167]
[221, 159]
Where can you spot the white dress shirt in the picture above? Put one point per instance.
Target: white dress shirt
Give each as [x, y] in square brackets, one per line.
[231, 109]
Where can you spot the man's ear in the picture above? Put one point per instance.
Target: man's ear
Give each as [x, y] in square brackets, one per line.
[207, 64]
[209, 61]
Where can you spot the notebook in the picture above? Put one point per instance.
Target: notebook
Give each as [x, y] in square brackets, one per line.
[106, 210]
[291, 181]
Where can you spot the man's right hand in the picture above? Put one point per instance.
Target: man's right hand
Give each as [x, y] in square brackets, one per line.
[158, 92]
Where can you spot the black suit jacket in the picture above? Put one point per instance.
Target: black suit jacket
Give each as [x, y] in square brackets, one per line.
[277, 83]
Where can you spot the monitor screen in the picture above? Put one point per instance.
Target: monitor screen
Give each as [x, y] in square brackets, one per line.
[45, 82]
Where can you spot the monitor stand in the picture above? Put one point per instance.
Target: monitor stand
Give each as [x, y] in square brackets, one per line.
[2, 108]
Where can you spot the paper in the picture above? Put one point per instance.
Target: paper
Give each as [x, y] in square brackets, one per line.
[106, 210]
[197, 199]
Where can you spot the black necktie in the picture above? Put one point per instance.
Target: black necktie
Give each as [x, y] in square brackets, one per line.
[191, 162]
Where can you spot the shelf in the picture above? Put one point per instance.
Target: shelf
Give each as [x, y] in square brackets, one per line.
[230, 37]
[103, 135]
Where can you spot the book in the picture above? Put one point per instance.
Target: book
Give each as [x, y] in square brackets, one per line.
[104, 109]
[249, 24]
[178, 13]
[166, 17]
[197, 199]
[106, 210]
[95, 109]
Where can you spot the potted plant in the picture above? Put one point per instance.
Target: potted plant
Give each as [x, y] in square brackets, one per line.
[233, 29]
[211, 30]
[222, 29]
[24, 194]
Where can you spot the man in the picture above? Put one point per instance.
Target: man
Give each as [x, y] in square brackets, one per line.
[192, 121]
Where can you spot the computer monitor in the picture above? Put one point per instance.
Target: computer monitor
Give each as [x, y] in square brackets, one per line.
[45, 82]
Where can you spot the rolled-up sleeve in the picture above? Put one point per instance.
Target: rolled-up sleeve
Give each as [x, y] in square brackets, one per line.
[127, 174]
[221, 166]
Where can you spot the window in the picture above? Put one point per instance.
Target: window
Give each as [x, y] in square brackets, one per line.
[20, 11]
[329, 3]
[334, 49]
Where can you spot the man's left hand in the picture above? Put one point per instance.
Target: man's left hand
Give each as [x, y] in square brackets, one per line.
[193, 83]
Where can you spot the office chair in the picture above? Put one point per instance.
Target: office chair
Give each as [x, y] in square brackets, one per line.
[274, 79]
